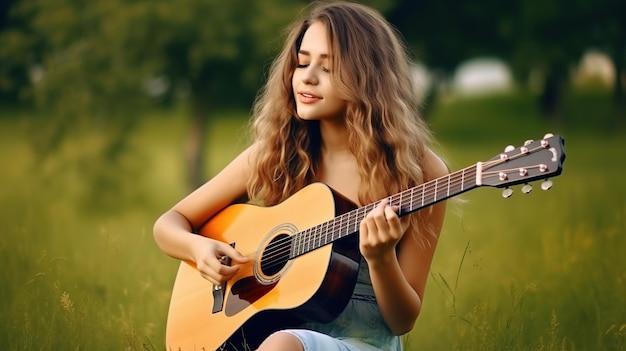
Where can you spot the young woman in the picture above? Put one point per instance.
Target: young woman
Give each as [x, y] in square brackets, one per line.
[339, 107]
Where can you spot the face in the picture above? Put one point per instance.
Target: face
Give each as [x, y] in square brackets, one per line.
[315, 97]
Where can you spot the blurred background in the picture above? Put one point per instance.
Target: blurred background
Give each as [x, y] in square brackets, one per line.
[111, 111]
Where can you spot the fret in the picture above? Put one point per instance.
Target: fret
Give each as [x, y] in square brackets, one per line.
[301, 243]
[343, 226]
[304, 239]
[298, 248]
[340, 227]
[294, 245]
[462, 179]
[310, 239]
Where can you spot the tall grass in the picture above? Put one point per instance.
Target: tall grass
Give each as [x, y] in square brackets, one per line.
[543, 271]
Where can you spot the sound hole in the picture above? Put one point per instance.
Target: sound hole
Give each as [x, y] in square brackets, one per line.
[276, 255]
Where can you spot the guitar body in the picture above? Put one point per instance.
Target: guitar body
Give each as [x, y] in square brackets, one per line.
[267, 294]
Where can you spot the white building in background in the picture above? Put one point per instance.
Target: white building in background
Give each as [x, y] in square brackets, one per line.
[481, 76]
[594, 68]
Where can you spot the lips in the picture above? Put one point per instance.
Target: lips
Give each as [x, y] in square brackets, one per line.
[307, 98]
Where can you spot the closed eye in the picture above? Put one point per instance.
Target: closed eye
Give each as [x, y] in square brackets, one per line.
[324, 69]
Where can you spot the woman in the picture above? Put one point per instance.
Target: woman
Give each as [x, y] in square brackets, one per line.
[339, 107]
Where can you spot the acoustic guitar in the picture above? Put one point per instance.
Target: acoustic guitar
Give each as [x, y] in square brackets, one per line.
[305, 258]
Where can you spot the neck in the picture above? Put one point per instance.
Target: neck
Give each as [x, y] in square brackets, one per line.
[334, 137]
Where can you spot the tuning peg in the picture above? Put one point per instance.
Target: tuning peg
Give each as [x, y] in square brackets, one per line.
[546, 185]
[527, 188]
[528, 142]
[506, 193]
[548, 135]
[509, 148]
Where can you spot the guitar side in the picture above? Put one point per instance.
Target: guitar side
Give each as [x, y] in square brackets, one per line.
[314, 286]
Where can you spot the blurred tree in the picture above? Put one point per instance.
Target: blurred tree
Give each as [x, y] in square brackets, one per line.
[444, 33]
[15, 46]
[96, 64]
[608, 32]
[547, 37]
[551, 37]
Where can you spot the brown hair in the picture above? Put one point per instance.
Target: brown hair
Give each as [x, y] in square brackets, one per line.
[371, 71]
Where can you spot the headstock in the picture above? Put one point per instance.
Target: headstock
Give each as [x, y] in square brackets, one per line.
[535, 160]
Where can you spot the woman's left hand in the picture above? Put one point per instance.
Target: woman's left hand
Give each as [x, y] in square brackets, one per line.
[380, 232]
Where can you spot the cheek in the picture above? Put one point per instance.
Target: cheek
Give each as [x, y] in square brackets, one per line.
[294, 78]
[339, 104]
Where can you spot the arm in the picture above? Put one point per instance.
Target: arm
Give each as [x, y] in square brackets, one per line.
[173, 231]
[399, 280]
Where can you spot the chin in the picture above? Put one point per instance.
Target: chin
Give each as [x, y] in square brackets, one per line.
[306, 116]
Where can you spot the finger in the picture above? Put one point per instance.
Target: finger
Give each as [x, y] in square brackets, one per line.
[393, 221]
[230, 252]
[211, 277]
[391, 213]
[219, 275]
[208, 273]
[405, 223]
[378, 214]
[382, 204]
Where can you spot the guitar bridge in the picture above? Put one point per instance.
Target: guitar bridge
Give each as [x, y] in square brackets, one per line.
[219, 290]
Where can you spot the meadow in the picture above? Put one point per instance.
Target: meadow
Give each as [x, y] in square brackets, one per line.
[539, 271]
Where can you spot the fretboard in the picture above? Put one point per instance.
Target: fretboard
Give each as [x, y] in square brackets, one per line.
[408, 201]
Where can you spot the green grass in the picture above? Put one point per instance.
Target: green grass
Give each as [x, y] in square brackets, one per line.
[543, 271]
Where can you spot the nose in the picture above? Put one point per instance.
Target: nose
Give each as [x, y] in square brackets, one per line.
[309, 76]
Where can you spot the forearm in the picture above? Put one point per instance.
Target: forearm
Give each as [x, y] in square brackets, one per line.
[172, 233]
[399, 303]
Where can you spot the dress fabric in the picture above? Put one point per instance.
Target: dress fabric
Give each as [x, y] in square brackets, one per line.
[360, 327]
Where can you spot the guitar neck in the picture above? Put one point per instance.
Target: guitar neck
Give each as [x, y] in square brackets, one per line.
[408, 201]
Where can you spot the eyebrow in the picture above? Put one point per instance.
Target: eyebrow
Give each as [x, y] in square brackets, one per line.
[306, 53]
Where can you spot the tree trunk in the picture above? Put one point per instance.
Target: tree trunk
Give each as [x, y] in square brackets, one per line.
[619, 59]
[551, 95]
[195, 148]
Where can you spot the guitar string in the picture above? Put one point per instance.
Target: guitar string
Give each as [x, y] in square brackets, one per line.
[430, 189]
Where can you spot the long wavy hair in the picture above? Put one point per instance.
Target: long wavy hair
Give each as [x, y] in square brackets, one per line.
[371, 71]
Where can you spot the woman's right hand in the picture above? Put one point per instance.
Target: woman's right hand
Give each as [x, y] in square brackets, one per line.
[211, 260]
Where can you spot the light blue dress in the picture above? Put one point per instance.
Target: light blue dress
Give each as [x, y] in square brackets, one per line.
[360, 327]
